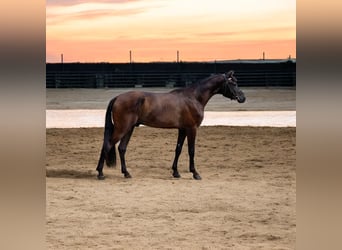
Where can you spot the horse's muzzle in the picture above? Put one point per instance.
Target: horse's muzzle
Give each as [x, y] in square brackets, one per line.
[241, 98]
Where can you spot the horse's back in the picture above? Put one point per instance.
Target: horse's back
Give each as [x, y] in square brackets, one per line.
[160, 110]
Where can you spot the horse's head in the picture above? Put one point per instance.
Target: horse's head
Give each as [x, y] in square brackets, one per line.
[230, 88]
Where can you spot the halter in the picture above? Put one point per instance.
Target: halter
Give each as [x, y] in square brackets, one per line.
[226, 88]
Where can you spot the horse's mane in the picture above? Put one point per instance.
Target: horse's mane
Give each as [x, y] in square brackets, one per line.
[202, 81]
[196, 84]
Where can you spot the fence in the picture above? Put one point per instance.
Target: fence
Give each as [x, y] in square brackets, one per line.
[68, 77]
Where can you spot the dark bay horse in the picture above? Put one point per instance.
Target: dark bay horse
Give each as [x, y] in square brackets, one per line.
[181, 108]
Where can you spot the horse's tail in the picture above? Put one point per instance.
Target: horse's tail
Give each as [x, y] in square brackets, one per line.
[109, 149]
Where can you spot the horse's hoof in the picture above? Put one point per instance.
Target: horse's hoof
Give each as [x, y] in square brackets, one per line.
[127, 175]
[197, 177]
[176, 175]
[101, 177]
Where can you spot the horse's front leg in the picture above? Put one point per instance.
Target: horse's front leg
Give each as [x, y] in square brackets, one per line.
[122, 151]
[191, 134]
[180, 142]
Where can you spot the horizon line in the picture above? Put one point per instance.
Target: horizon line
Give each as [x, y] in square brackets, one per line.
[196, 61]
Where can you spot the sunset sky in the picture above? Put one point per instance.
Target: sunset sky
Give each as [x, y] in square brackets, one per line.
[201, 30]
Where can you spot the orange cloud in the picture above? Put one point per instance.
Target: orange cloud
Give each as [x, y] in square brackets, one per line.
[166, 49]
[154, 30]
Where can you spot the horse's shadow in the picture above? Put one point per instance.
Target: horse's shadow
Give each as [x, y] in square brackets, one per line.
[72, 174]
[91, 175]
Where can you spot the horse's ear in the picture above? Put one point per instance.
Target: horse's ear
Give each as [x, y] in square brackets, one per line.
[230, 73]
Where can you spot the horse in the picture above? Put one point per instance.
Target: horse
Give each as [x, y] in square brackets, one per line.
[181, 109]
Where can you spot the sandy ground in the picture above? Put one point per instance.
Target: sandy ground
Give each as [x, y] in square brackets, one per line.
[246, 199]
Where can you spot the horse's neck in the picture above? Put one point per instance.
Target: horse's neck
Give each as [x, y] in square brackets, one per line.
[206, 90]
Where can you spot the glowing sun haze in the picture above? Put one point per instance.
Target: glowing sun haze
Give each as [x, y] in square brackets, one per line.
[154, 30]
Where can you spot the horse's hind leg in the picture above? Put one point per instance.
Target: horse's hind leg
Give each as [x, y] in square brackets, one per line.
[122, 151]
